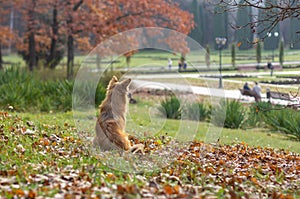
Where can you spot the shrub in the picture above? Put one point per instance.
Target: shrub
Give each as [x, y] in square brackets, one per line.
[85, 94]
[229, 114]
[258, 52]
[170, 107]
[281, 52]
[233, 55]
[207, 56]
[25, 92]
[197, 111]
[286, 121]
[257, 113]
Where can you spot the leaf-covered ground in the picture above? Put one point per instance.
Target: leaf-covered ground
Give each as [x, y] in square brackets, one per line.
[40, 160]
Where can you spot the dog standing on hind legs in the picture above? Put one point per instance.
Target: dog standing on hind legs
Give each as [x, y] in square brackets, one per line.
[110, 125]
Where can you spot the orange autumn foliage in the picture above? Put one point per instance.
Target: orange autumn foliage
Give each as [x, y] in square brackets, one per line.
[102, 18]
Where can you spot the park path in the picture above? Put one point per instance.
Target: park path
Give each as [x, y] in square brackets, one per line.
[198, 90]
[152, 81]
[174, 68]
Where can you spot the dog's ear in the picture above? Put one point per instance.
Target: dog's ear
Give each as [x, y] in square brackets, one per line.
[125, 82]
[112, 82]
[114, 79]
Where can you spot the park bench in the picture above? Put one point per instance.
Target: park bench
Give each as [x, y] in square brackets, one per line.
[250, 67]
[275, 67]
[293, 102]
[260, 66]
[250, 93]
[278, 95]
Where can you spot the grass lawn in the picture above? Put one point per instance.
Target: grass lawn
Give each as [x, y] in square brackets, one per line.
[144, 120]
[159, 58]
[46, 155]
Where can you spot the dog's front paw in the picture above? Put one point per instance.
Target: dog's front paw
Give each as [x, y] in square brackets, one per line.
[137, 147]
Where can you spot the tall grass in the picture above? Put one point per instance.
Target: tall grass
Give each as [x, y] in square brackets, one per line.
[286, 121]
[24, 91]
[229, 114]
[171, 108]
[197, 111]
[256, 114]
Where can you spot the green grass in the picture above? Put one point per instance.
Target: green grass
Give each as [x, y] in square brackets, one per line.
[25, 158]
[144, 120]
[57, 154]
[159, 58]
[140, 124]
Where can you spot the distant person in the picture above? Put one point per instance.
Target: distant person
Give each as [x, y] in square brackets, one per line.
[184, 65]
[271, 67]
[170, 63]
[257, 91]
[246, 86]
[179, 65]
[268, 95]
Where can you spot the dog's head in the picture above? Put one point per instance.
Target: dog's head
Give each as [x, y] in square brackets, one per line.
[119, 87]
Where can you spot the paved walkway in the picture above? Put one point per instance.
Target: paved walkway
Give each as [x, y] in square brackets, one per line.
[214, 92]
[150, 81]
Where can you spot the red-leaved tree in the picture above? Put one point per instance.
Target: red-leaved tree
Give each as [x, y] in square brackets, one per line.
[51, 27]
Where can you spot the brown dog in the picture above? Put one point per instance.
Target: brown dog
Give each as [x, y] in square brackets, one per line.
[111, 121]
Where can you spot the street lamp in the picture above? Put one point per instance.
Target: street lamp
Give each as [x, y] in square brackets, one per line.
[221, 42]
[276, 34]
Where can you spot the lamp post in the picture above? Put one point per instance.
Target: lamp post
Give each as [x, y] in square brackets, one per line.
[276, 34]
[221, 42]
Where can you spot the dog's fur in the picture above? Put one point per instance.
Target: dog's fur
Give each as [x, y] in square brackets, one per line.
[110, 125]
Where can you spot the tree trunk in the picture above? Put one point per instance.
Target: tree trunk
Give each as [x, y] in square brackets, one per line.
[1, 61]
[32, 53]
[98, 62]
[70, 61]
[51, 59]
[70, 42]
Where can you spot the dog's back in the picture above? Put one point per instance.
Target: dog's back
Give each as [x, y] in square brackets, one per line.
[111, 121]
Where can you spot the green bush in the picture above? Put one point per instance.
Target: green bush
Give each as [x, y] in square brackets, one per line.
[281, 52]
[171, 108]
[258, 52]
[229, 114]
[197, 111]
[26, 92]
[207, 56]
[257, 113]
[286, 121]
[233, 55]
[85, 95]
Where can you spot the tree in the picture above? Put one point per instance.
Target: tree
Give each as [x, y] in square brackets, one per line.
[52, 26]
[72, 29]
[270, 37]
[258, 54]
[6, 35]
[197, 32]
[220, 22]
[281, 52]
[244, 34]
[273, 12]
[57, 40]
[295, 34]
[233, 55]
[207, 56]
[35, 39]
